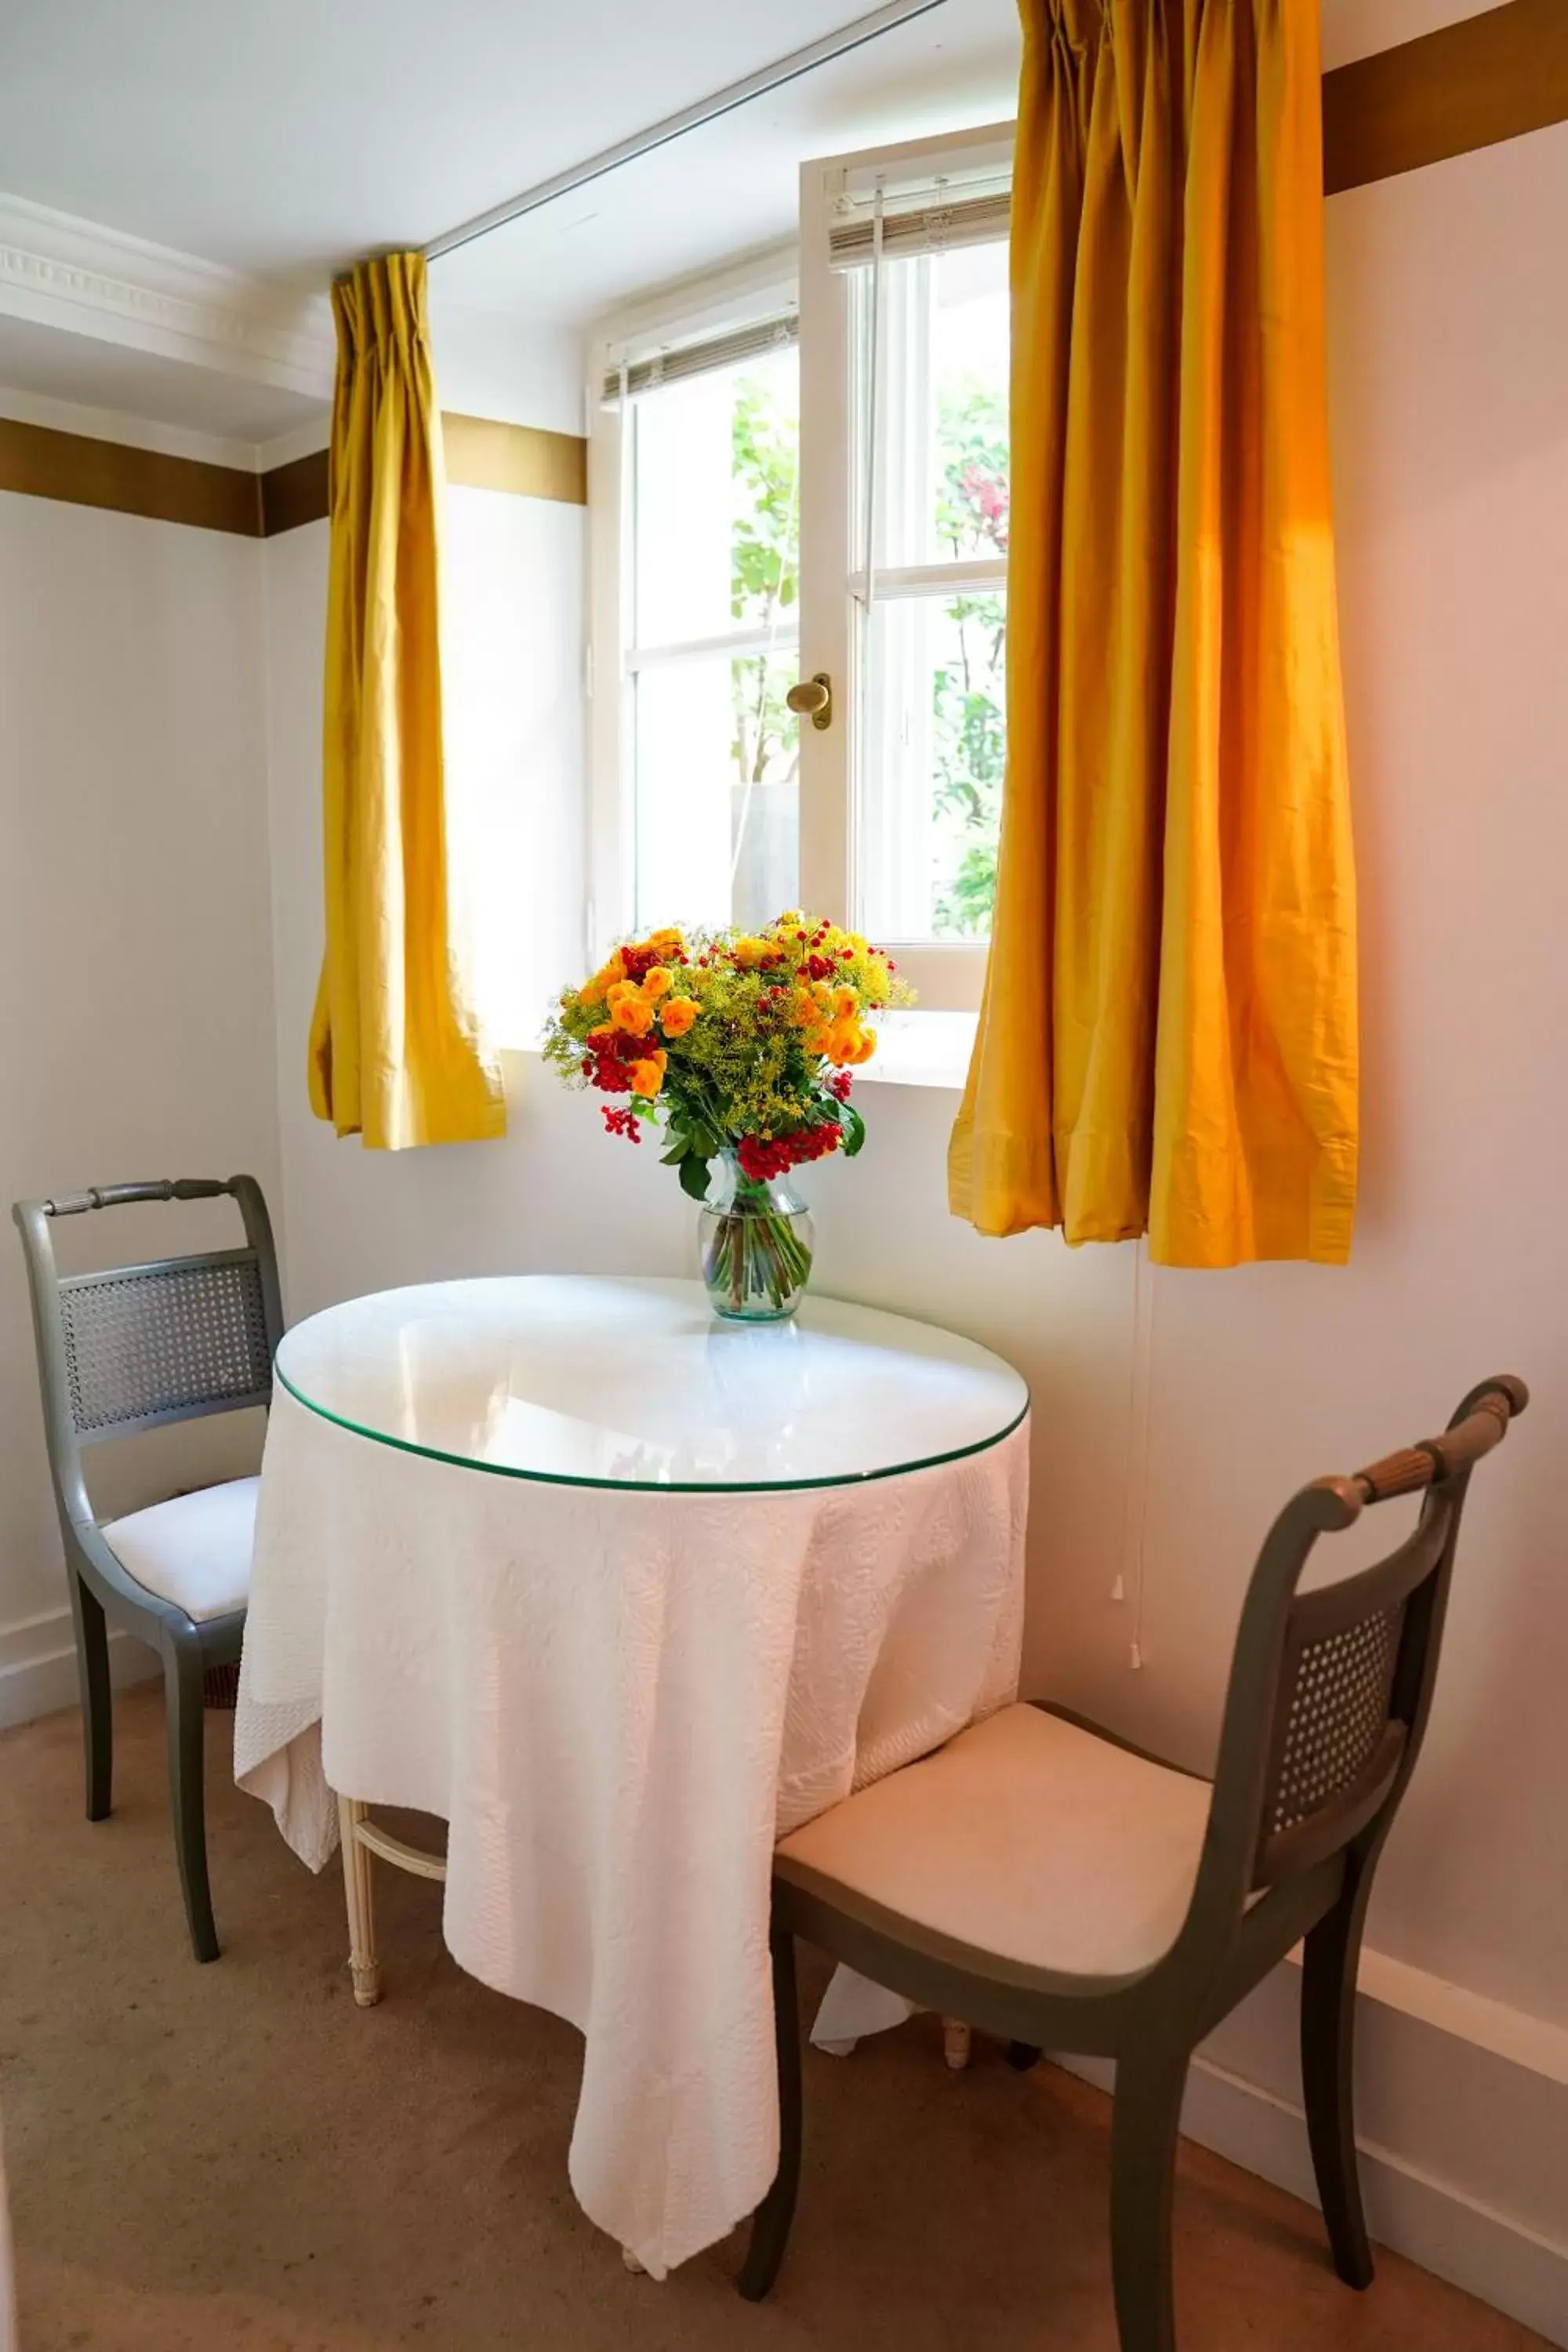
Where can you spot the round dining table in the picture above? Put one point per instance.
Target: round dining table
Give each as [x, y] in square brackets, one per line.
[624, 1593]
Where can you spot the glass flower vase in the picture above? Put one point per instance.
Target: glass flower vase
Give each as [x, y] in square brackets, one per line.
[755, 1241]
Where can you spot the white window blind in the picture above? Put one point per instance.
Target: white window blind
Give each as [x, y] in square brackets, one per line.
[926, 220]
[706, 357]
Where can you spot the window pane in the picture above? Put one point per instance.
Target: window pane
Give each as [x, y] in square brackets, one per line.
[931, 801]
[716, 532]
[718, 801]
[942, 490]
[716, 504]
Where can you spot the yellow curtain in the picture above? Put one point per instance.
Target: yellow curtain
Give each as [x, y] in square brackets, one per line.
[395, 1053]
[1168, 1042]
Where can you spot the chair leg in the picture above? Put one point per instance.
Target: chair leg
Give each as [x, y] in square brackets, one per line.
[770, 2222]
[1145, 2123]
[359, 1887]
[1327, 2062]
[97, 1698]
[183, 1708]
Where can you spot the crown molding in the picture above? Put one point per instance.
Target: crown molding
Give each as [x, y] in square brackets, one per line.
[86, 279]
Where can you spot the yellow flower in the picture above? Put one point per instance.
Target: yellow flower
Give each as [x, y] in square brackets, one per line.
[669, 942]
[677, 1014]
[845, 1003]
[630, 1008]
[648, 1075]
[749, 952]
[656, 983]
[603, 979]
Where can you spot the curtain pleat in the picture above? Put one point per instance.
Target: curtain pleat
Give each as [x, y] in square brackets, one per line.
[1168, 1038]
[395, 1050]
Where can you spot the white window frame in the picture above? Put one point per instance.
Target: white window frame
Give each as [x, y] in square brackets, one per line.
[947, 977]
[758, 286]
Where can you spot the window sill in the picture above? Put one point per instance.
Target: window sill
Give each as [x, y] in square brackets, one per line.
[921, 1049]
[914, 1049]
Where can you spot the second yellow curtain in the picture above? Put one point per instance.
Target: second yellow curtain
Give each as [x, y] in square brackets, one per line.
[1168, 1042]
[395, 1053]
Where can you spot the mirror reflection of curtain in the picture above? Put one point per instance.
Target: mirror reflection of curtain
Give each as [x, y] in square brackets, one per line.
[1168, 1042]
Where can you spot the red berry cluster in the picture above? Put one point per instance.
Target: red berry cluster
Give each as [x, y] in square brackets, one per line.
[839, 1083]
[640, 962]
[605, 1061]
[765, 1155]
[622, 1122]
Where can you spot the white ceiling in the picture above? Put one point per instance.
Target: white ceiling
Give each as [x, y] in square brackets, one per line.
[735, 183]
[287, 139]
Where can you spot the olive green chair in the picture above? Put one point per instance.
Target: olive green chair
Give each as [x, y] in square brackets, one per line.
[127, 1349]
[1042, 1880]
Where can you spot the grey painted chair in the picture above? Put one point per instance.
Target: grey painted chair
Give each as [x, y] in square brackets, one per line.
[1043, 1881]
[127, 1349]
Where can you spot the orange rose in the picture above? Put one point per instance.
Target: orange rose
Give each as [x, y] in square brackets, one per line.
[656, 983]
[603, 979]
[630, 1008]
[648, 1075]
[677, 1014]
[848, 1044]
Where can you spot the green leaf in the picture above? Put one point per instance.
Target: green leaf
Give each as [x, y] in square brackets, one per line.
[694, 1176]
[854, 1131]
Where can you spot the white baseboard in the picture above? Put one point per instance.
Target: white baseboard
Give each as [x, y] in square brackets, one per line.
[37, 1665]
[1493, 2124]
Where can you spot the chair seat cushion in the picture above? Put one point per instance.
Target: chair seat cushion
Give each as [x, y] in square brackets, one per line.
[1025, 1838]
[194, 1550]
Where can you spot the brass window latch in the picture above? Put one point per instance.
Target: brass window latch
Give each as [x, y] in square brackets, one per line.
[812, 699]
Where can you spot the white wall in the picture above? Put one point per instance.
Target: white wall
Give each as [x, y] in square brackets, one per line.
[135, 961]
[1449, 321]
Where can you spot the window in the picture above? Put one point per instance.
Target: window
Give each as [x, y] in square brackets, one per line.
[784, 490]
[904, 333]
[708, 751]
[929, 764]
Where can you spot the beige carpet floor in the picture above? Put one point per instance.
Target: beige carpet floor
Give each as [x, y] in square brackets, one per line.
[233, 2160]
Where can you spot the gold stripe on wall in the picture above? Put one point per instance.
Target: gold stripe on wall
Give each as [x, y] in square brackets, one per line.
[294, 494]
[40, 462]
[482, 454]
[522, 460]
[1489, 78]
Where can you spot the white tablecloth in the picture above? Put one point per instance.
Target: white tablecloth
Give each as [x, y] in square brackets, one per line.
[616, 1699]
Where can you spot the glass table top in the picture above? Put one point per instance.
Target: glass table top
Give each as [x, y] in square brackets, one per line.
[610, 1381]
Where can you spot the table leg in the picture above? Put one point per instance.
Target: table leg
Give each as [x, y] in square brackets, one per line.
[955, 2043]
[357, 1885]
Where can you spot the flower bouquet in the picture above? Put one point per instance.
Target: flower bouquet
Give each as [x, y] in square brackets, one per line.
[739, 1046]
